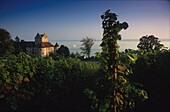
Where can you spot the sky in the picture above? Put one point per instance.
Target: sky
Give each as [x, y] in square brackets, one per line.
[76, 19]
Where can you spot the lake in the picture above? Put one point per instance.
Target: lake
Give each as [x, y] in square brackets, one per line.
[74, 45]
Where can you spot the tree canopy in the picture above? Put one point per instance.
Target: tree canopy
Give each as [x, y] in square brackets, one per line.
[17, 39]
[17, 45]
[63, 50]
[87, 44]
[6, 43]
[149, 43]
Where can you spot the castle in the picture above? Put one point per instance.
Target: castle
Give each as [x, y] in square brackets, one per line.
[40, 47]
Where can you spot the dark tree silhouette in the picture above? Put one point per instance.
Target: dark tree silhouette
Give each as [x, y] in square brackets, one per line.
[6, 43]
[87, 44]
[63, 50]
[149, 44]
[17, 45]
[17, 39]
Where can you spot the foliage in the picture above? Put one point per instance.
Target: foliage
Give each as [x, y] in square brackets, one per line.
[17, 39]
[6, 43]
[98, 55]
[17, 45]
[75, 55]
[152, 70]
[149, 44]
[129, 57]
[23, 78]
[114, 92]
[87, 44]
[63, 50]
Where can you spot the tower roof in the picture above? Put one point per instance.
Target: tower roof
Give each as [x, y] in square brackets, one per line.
[41, 38]
[40, 35]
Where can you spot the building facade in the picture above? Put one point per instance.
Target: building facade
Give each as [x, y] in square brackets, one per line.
[41, 46]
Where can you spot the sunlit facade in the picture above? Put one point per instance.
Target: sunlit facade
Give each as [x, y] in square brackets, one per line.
[41, 46]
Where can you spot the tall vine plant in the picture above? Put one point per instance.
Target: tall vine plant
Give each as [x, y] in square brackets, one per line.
[114, 92]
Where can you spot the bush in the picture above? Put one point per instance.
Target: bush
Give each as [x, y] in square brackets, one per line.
[63, 50]
[24, 78]
[152, 70]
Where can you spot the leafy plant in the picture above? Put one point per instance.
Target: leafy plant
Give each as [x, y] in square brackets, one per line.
[152, 71]
[114, 91]
[24, 78]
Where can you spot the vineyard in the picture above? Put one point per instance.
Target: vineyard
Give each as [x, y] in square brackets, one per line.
[65, 81]
[24, 78]
[129, 81]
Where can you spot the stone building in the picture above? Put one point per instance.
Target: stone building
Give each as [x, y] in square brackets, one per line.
[40, 47]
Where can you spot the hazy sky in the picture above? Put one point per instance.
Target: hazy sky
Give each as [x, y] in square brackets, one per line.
[74, 20]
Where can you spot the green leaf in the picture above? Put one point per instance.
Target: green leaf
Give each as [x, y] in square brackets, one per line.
[16, 88]
[8, 80]
[1, 95]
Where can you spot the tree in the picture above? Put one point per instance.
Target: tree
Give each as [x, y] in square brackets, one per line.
[17, 45]
[63, 50]
[75, 55]
[6, 43]
[114, 92]
[87, 44]
[17, 39]
[149, 44]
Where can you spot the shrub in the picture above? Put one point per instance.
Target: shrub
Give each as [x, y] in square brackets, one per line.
[152, 70]
[23, 78]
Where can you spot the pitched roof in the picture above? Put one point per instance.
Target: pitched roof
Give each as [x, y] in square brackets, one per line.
[43, 35]
[40, 35]
[40, 45]
[29, 44]
[45, 44]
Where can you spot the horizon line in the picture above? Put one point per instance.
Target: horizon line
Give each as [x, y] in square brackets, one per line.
[164, 39]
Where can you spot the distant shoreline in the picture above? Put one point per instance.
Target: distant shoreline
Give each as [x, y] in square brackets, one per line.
[119, 40]
[101, 40]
